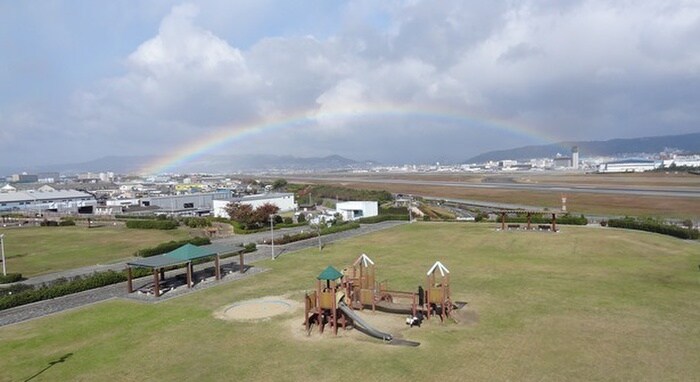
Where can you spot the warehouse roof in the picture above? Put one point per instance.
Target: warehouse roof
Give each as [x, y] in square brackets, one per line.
[22, 196]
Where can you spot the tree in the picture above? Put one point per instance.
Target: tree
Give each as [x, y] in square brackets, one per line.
[263, 212]
[279, 184]
[241, 213]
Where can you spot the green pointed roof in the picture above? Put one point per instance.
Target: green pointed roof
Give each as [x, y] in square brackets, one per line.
[189, 252]
[329, 273]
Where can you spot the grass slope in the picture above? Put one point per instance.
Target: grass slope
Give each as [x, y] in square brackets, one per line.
[584, 304]
[38, 250]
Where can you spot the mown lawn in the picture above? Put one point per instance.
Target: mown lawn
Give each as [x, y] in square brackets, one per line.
[583, 304]
[38, 250]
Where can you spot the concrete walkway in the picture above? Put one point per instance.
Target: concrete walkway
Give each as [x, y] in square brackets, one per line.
[43, 308]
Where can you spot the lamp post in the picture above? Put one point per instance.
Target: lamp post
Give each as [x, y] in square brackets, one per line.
[2, 251]
[272, 233]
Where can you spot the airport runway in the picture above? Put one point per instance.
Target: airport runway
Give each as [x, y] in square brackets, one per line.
[680, 192]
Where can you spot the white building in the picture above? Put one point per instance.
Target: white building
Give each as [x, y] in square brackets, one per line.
[64, 201]
[284, 201]
[356, 210]
[628, 165]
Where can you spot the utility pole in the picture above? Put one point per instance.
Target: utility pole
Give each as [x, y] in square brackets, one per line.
[272, 233]
[2, 251]
[410, 207]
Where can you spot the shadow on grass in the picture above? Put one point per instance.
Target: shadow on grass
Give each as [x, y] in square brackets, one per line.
[51, 364]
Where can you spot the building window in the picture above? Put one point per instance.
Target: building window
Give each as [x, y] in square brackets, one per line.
[189, 205]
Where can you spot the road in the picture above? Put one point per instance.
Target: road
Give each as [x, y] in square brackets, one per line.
[684, 192]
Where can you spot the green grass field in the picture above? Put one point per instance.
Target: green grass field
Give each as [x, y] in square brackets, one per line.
[583, 304]
[38, 250]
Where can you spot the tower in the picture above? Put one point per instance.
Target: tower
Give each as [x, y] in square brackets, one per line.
[574, 157]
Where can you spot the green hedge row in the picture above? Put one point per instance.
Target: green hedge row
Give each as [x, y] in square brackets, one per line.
[152, 224]
[285, 239]
[654, 226]
[381, 218]
[10, 278]
[539, 219]
[194, 222]
[171, 245]
[77, 284]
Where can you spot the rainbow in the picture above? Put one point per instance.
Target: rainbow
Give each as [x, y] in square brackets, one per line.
[222, 136]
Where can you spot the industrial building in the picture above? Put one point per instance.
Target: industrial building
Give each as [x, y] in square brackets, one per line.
[284, 201]
[63, 201]
[628, 165]
[189, 204]
[356, 210]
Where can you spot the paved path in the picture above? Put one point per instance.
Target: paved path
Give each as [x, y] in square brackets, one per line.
[43, 308]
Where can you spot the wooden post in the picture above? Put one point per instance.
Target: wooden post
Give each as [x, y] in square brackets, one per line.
[529, 218]
[240, 262]
[334, 313]
[218, 270]
[189, 275]
[129, 284]
[503, 221]
[156, 283]
[554, 222]
[307, 307]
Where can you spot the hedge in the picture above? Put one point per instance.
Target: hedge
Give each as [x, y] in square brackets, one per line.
[285, 239]
[58, 289]
[10, 278]
[381, 218]
[539, 219]
[193, 222]
[170, 246]
[152, 224]
[654, 226]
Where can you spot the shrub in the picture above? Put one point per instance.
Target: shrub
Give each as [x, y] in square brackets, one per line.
[655, 226]
[59, 289]
[65, 223]
[381, 218]
[393, 211]
[171, 245]
[288, 220]
[165, 224]
[49, 223]
[10, 278]
[250, 247]
[193, 222]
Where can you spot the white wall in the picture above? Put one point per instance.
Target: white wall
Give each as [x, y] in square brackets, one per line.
[285, 202]
[355, 210]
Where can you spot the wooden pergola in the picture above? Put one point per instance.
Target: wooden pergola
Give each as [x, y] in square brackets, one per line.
[186, 255]
[529, 212]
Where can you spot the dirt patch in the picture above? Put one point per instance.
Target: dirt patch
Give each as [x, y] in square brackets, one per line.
[257, 309]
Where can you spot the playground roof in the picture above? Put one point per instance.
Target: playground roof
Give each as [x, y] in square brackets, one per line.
[184, 254]
[439, 267]
[365, 260]
[329, 273]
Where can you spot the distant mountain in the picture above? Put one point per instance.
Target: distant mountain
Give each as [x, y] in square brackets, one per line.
[613, 147]
[206, 163]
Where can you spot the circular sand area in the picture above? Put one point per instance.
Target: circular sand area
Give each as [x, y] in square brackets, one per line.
[256, 309]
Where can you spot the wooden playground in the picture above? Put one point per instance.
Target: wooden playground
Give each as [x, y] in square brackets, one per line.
[339, 294]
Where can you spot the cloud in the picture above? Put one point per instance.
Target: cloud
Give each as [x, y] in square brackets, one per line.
[569, 70]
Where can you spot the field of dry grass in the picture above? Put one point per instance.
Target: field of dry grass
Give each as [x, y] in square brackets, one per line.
[583, 304]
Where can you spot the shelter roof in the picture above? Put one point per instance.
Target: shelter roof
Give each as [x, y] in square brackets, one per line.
[184, 254]
[329, 273]
[365, 260]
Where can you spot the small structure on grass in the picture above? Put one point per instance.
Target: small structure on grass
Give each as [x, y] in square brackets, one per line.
[185, 255]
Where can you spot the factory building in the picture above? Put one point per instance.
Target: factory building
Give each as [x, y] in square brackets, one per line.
[284, 201]
[63, 201]
[356, 210]
[628, 165]
[189, 204]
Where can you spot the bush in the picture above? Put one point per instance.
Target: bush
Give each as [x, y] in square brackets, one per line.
[655, 226]
[59, 289]
[310, 234]
[171, 245]
[10, 278]
[65, 223]
[250, 247]
[165, 224]
[381, 218]
[49, 223]
[288, 220]
[539, 219]
[197, 222]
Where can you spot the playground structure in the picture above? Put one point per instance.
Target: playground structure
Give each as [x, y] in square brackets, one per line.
[356, 289]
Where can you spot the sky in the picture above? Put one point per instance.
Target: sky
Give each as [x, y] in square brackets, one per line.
[391, 81]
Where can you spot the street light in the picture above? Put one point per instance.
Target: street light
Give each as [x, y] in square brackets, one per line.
[272, 233]
[2, 251]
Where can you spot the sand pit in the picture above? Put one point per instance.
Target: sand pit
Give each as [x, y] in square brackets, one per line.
[256, 309]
